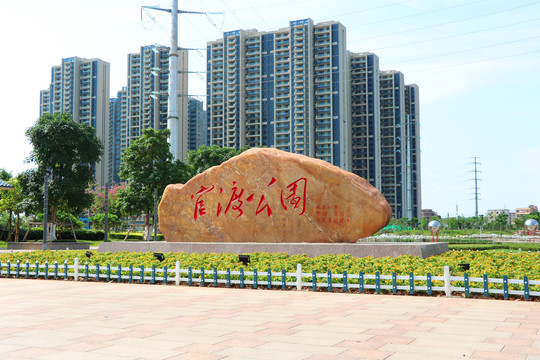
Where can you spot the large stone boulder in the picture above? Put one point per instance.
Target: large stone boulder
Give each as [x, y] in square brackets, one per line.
[268, 195]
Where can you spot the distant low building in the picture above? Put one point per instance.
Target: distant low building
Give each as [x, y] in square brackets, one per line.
[428, 214]
[526, 211]
[492, 215]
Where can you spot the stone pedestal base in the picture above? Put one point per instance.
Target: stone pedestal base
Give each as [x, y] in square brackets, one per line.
[423, 250]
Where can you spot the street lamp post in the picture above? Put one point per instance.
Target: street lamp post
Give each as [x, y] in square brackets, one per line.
[45, 210]
[155, 213]
[106, 222]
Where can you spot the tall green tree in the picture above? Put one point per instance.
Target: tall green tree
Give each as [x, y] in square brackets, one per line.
[207, 156]
[11, 201]
[5, 175]
[519, 223]
[501, 221]
[147, 165]
[67, 150]
[533, 215]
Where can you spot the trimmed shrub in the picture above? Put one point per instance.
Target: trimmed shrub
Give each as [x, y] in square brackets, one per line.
[36, 234]
[133, 236]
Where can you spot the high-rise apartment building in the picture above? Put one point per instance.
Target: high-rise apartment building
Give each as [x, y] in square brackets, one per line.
[196, 124]
[147, 92]
[117, 136]
[286, 89]
[412, 136]
[297, 89]
[80, 87]
[393, 151]
[143, 103]
[365, 117]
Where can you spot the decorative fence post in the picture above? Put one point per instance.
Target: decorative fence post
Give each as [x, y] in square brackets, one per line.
[165, 274]
[76, 269]
[299, 277]
[447, 281]
[177, 273]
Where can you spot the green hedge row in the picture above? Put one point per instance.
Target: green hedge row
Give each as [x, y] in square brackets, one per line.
[132, 236]
[449, 241]
[82, 234]
[501, 246]
[66, 235]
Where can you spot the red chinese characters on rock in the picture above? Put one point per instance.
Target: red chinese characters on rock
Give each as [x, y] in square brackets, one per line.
[200, 210]
[235, 202]
[293, 197]
[331, 214]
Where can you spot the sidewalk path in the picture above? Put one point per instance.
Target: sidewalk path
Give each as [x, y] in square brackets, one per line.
[57, 320]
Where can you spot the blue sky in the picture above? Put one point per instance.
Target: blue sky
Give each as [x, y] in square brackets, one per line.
[476, 62]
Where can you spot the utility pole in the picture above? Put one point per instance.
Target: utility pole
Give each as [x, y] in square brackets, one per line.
[408, 138]
[476, 179]
[174, 123]
[172, 115]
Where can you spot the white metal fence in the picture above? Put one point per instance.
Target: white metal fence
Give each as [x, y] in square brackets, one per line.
[413, 284]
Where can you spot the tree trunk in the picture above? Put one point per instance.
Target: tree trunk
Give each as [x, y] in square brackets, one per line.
[51, 224]
[147, 231]
[71, 223]
[130, 227]
[10, 227]
[18, 227]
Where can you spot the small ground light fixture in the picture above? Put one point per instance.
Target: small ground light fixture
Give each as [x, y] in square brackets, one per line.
[159, 256]
[88, 254]
[244, 259]
[465, 266]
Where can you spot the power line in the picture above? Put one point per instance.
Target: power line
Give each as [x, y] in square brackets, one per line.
[455, 35]
[420, 13]
[365, 10]
[445, 23]
[474, 62]
[466, 50]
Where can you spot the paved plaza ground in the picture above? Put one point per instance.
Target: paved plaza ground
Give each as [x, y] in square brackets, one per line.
[47, 319]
